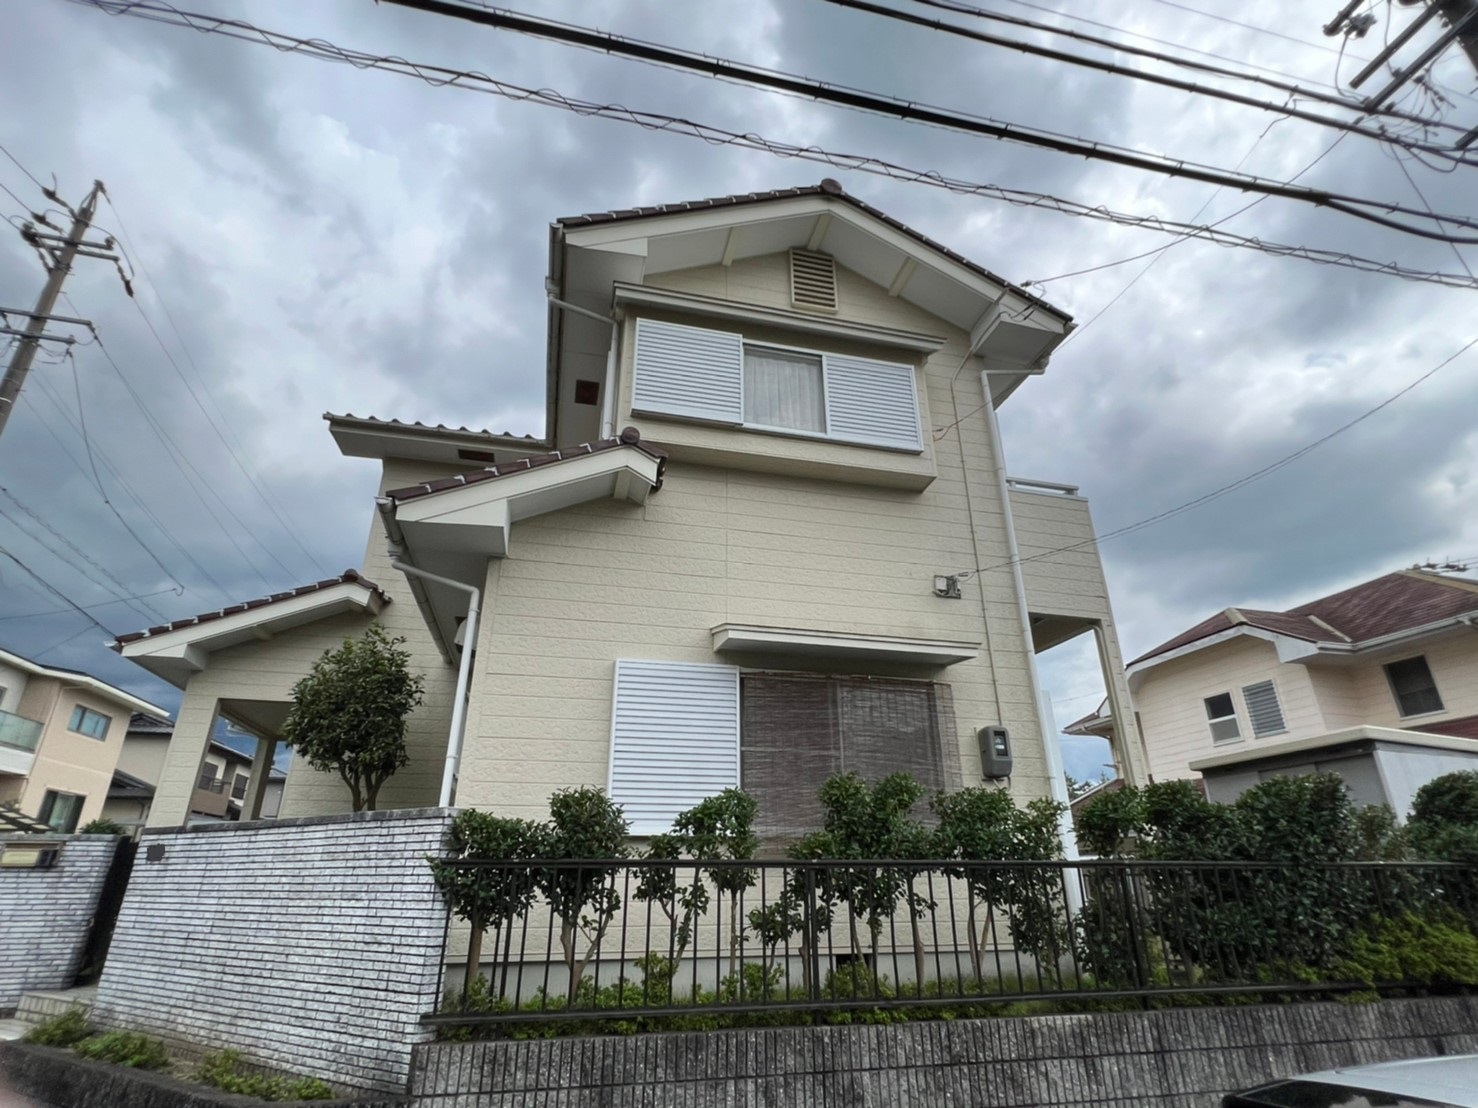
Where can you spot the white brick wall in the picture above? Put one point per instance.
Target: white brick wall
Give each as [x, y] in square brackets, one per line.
[46, 914]
[309, 945]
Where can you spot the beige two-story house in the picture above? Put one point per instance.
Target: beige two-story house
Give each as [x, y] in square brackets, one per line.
[1378, 682]
[61, 732]
[768, 535]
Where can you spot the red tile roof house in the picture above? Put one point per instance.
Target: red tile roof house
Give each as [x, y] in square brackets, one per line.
[1378, 682]
[768, 535]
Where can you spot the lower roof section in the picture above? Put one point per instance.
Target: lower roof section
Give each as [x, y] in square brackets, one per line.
[1326, 743]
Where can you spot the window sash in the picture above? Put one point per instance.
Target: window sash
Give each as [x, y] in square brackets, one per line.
[784, 389]
[1413, 686]
[1222, 719]
[61, 811]
[87, 722]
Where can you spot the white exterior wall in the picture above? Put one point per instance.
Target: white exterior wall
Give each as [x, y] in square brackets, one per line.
[1404, 770]
[1171, 702]
[1453, 661]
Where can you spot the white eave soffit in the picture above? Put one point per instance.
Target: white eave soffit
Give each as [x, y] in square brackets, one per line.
[737, 638]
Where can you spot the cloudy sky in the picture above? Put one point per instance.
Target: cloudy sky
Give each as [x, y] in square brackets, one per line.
[310, 236]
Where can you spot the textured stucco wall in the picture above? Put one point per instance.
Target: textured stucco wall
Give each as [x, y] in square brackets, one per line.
[1186, 1058]
[46, 914]
[308, 945]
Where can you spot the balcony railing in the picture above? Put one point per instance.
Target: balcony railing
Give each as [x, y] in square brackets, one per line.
[643, 942]
[19, 732]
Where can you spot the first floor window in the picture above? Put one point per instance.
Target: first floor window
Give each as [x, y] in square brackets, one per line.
[61, 811]
[683, 732]
[87, 722]
[1221, 714]
[1413, 687]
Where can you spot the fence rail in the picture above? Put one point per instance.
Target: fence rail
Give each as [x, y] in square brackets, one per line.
[641, 940]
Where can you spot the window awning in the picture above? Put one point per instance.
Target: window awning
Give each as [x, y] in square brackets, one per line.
[737, 638]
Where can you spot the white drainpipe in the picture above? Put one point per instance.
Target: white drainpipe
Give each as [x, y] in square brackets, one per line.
[464, 673]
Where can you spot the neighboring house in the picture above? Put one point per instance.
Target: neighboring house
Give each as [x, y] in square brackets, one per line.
[769, 536]
[220, 791]
[1379, 682]
[61, 732]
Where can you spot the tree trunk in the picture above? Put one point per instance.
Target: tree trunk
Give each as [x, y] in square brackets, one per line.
[474, 953]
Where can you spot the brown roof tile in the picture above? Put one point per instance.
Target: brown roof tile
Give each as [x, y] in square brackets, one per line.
[629, 437]
[1396, 602]
[372, 422]
[348, 577]
[828, 187]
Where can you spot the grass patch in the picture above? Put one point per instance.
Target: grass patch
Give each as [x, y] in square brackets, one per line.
[223, 1070]
[125, 1048]
[67, 1029]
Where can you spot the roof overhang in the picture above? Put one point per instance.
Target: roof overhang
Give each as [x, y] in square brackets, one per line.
[1289, 649]
[1363, 737]
[1014, 331]
[360, 437]
[82, 680]
[1385, 647]
[739, 639]
[452, 531]
[176, 654]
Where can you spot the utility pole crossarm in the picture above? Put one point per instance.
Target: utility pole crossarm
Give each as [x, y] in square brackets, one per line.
[34, 333]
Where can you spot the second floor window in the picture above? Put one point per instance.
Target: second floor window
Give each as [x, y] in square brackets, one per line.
[1412, 685]
[1221, 714]
[717, 377]
[87, 722]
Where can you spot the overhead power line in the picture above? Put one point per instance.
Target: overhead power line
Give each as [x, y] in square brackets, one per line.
[894, 107]
[1380, 134]
[472, 81]
[56, 592]
[1372, 211]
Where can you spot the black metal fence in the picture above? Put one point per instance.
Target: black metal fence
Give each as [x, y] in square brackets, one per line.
[647, 941]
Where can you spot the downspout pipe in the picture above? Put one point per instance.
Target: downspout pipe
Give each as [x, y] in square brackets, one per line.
[464, 675]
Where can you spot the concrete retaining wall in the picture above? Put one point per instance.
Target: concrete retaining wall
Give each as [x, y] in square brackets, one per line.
[1185, 1057]
[46, 914]
[312, 945]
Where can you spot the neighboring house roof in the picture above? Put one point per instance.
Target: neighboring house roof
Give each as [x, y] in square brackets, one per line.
[630, 437]
[81, 679]
[1361, 736]
[1465, 727]
[1400, 601]
[1093, 722]
[349, 576]
[126, 786]
[827, 187]
[1105, 787]
[369, 436]
[143, 723]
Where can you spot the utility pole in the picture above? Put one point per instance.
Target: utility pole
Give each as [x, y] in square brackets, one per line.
[1461, 26]
[61, 251]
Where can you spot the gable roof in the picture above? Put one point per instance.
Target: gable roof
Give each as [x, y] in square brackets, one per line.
[80, 679]
[828, 187]
[1400, 601]
[628, 437]
[349, 576]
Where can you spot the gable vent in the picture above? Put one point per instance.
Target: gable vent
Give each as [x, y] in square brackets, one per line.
[813, 280]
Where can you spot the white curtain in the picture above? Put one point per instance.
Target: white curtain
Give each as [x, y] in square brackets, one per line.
[782, 389]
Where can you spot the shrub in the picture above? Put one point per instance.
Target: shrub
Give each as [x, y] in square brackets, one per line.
[1437, 949]
[67, 1029]
[125, 1048]
[222, 1070]
[1444, 818]
[1106, 826]
[103, 826]
[1378, 837]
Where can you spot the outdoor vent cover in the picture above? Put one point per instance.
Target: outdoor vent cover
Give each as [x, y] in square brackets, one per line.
[813, 280]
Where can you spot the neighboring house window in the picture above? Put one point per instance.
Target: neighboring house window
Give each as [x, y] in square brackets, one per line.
[679, 735]
[1222, 715]
[87, 722]
[238, 787]
[61, 811]
[1413, 687]
[697, 373]
[208, 780]
[1263, 708]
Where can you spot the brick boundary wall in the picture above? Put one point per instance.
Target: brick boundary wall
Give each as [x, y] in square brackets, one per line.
[1187, 1057]
[46, 914]
[310, 945]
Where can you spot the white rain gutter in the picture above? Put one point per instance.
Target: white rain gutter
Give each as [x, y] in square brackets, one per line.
[607, 401]
[464, 674]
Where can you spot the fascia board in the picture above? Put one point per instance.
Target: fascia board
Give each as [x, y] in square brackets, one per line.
[774, 317]
[1136, 672]
[1395, 638]
[82, 680]
[1364, 732]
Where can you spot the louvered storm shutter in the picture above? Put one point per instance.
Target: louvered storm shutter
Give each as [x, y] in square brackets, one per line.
[688, 371]
[674, 739]
[872, 403]
[1263, 708]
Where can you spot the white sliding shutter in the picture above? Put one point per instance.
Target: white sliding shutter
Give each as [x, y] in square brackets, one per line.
[872, 402]
[688, 371]
[674, 739]
[1263, 708]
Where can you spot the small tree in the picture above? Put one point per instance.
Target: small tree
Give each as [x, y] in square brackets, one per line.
[348, 714]
[584, 824]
